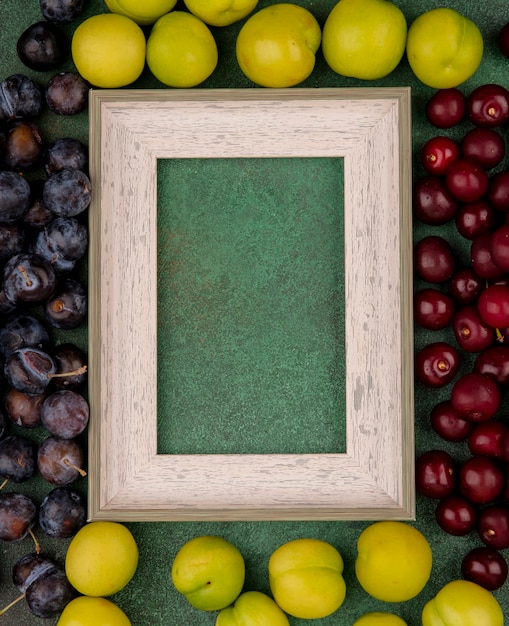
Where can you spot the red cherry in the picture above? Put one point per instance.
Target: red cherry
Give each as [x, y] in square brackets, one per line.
[470, 330]
[482, 262]
[494, 362]
[488, 105]
[493, 526]
[503, 40]
[433, 309]
[437, 364]
[446, 422]
[488, 438]
[500, 247]
[456, 515]
[465, 286]
[498, 191]
[475, 397]
[483, 145]
[486, 567]
[434, 474]
[433, 203]
[475, 218]
[446, 108]
[481, 479]
[493, 306]
[466, 180]
[434, 259]
[438, 153]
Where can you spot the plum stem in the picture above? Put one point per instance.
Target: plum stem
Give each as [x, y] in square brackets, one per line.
[77, 372]
[78, 469]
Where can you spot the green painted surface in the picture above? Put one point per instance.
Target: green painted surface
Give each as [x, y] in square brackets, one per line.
[150, 599]
[251, 301]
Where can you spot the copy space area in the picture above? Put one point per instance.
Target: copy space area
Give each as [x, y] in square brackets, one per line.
[251, 343]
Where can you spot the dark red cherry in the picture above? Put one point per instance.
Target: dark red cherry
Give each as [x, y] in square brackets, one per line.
[434, 260]
[498, 191]
[482, 261]
[437, 364]
[438, 153]
[486, 567]
[500, 247]
[456, 515]
[481, 479]
[494, 362]
[487, 438]
[446, 108]
[475, 397]
[446, 422]
[475, 218]
[466, 180]
[488, 105]
[470, 330]
[485, 146]
[433, 309]
[433, 203]
[503, 40]
[493, 306]
[465, 286]
[493, 526]
[434, 474]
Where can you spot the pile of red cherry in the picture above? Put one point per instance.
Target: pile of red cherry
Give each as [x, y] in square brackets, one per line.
[467, 184]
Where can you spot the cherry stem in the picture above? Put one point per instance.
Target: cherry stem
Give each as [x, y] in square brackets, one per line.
[78, 372]
[36, 541]
[4, 483]
[24, 273]
[6, 608]
[499, 335]
[78, 469]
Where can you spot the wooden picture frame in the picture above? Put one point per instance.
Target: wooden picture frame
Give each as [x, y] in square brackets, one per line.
[370, 130]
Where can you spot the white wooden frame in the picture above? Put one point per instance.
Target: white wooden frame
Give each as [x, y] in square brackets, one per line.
[129, 131]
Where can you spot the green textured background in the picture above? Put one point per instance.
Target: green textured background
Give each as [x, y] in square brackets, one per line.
[150, 598]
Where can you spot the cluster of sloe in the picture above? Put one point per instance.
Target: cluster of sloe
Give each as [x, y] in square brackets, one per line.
[45, 192]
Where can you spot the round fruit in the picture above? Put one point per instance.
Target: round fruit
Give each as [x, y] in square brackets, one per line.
[252, 608]
[209, 571]
[434, 259]
[446, 108]
[434, 474]
[444, 48]
[475, 397]
[463, 602]
[221, 12]
[438, 153]
[101, 558]
[364, 38]
[143, 13]
[437, 364]
[433, 309]
[486, 567]
[306, 578]
[393, 562]
[109, 50]
[466, 180]
[276, 47]
[181, 50]
[89, 611]
[488, 105]
[456, 515]
[493, 304]
[481, 479]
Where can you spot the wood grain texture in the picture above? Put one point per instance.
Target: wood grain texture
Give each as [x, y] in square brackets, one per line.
[129, 131]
